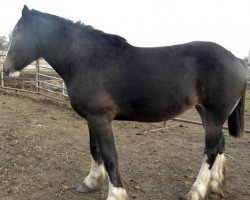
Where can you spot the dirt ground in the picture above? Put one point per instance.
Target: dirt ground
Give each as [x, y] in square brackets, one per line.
[44, 154]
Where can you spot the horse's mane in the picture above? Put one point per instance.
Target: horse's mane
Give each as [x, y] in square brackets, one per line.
[115, 39]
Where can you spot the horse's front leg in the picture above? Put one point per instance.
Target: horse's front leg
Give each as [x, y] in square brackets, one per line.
[96, 176]
[102, 127]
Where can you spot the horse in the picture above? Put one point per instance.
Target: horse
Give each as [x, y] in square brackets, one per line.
[109, 79]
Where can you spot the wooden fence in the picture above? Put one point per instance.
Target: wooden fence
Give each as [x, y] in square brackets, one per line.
[37, 78]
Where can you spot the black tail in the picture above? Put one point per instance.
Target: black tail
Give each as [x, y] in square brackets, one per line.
[236, 119]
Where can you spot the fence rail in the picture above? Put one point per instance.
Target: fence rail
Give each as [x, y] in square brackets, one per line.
[44, 79]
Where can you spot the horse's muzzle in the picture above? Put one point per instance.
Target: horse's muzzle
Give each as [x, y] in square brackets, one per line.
[8, 72]
[14, 74]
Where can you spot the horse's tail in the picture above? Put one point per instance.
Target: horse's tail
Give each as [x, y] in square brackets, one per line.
[236, 119]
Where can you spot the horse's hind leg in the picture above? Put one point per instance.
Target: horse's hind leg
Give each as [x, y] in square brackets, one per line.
[211, 175]
[96, 176]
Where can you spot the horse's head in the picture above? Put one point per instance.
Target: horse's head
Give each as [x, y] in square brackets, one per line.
[23, 46]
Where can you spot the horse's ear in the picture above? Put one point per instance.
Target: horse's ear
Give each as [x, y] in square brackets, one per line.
[25, 12]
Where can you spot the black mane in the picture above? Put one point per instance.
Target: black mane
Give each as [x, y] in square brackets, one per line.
[83, 27]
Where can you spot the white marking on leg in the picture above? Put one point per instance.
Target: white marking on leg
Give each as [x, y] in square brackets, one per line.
[117, 193]
[217, 174]
[96, 175]
[200, 187]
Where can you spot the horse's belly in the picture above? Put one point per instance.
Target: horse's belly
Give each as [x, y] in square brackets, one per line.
[152, 113]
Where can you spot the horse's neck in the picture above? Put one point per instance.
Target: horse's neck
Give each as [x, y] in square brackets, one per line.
[58, 52]
[56, 61]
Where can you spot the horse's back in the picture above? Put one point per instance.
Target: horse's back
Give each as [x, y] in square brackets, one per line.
[160, 83]
[155, 84]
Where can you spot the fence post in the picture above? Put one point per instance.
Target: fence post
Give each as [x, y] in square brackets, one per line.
[1, 69]
[63, 88]
[38, 76]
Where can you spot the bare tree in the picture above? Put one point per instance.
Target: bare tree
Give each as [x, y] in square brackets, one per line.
[4, 44]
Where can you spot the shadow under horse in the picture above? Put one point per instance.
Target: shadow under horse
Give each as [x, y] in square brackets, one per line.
[108, 79]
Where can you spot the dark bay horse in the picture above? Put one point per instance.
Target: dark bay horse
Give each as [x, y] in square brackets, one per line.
[108, 79]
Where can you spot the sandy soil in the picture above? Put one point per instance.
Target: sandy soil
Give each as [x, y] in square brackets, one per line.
[44, 154]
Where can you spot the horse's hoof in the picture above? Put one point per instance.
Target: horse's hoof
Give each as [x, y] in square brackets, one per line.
[216, 190]
[214, 196]
[82, 188]
[193, 195]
